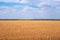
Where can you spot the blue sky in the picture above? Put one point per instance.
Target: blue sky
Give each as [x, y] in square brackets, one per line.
[29, 9]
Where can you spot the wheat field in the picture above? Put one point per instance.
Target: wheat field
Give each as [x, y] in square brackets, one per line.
[29, 30]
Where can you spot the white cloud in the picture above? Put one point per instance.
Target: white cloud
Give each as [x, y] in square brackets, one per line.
[42, 3]
[18, 1]
[25, 13]
[24, 1]
[57, 0]
[29, 12]
[9, 0]
[6, 10]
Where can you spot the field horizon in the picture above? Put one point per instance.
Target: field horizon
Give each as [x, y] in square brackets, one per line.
[29, 30]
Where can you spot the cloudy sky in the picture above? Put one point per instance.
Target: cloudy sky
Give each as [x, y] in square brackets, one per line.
[29, 9]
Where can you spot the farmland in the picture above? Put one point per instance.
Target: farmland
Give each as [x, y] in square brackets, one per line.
[29, 30]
